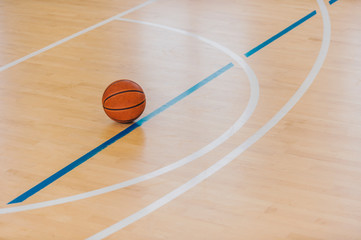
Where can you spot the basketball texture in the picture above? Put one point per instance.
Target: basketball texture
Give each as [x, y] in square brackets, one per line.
[123, 101]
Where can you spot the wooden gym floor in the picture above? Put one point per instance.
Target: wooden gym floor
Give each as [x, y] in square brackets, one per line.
[267, 148]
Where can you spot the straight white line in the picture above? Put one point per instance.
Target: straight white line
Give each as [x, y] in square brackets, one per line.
[20, 60]
[240, 149]
[135, 8]
[251, 106]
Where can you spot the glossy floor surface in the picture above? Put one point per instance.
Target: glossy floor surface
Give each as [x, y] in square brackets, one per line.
[266, 147]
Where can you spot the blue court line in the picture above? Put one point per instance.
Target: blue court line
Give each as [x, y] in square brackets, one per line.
[332, 1]
[280, 34]
[120, 135]
[140, 122]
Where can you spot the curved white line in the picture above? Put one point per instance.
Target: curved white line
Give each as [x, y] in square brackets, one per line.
[251, 105]
[241, 148]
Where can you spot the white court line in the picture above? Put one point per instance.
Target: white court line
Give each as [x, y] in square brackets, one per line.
[251, 105]
[20, 60]
[241, 148]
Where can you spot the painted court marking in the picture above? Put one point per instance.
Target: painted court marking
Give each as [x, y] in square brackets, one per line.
[252, 103]
[241, 148]
[131, 128]
[280, 34]
[115, 138]
[20, 60]
[95, 192]
[136, 125]
[88, 155]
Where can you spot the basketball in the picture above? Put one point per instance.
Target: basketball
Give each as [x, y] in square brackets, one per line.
[124, 101]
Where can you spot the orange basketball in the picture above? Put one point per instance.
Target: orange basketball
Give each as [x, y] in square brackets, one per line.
[123, 101]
